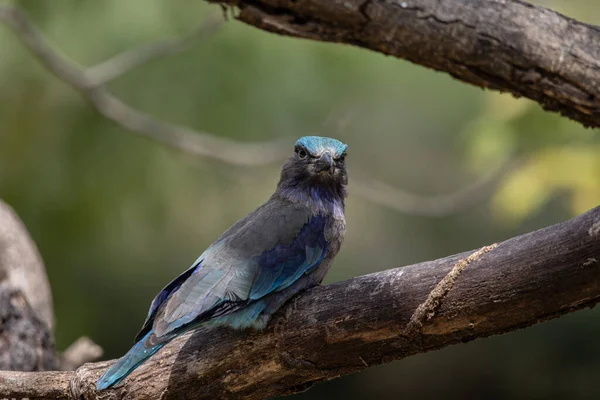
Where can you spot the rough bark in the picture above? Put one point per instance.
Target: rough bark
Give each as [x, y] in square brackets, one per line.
[26, 343]
[348, 326]
[26, 317]
[35, 385]
[21, 266]
[507, 45]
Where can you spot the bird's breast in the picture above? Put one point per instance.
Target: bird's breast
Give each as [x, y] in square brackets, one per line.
[335, 231]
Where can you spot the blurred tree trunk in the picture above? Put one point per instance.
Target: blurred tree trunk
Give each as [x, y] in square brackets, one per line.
[26, 314]
[26, 318]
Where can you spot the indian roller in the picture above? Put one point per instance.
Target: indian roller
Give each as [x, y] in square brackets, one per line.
[283, 247]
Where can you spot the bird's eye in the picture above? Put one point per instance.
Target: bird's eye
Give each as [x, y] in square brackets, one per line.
[301, 153]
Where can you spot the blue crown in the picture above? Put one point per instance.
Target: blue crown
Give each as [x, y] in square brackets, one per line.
[316, 145]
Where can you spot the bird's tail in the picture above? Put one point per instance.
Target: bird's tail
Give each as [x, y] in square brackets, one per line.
[126, 364]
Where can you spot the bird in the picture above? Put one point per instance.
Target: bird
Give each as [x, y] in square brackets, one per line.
[282, 248]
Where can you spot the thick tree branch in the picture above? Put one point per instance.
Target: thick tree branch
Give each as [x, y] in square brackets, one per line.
[35, 385]
[510, 45]
[347, 326]
[91, 82]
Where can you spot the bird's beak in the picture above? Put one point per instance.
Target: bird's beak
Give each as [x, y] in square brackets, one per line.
[325, 163]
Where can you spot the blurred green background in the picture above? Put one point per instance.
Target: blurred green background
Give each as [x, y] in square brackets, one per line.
[116, 216]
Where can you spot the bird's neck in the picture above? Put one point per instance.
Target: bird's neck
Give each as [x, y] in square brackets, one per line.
[319, 198]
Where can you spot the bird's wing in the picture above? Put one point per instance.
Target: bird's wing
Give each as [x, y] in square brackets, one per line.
[263, 253]
[160, 298]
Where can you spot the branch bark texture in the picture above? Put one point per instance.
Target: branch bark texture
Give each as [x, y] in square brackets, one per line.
[348, 326]
[506, 45]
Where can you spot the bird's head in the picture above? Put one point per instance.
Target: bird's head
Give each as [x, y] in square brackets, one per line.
[317, 163]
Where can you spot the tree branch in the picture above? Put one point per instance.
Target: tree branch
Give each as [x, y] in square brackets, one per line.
[510, 45]
[81, 351]
[435, 206]
[36, 385]
[122, 63]
[347, 326]
[91, 82]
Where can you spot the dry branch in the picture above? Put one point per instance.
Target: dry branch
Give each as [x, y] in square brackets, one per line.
[509, 45]
[122, 63]
[81, 351]
[463, 199]
[344, 327]
[91, 82]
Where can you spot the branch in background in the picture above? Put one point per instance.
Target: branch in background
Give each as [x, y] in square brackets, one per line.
[91, 83]
[82, 350]
[406, 202]
[435, 206]
[120, 64]
[347, 326]
[509, 46]
[26, 315]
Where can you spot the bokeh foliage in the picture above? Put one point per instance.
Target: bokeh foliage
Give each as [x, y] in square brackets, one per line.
[117, 216]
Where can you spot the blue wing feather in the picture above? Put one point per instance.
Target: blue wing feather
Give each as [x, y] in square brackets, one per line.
[228, 281]
[284, 264]
[163, 295]
[234, 272]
